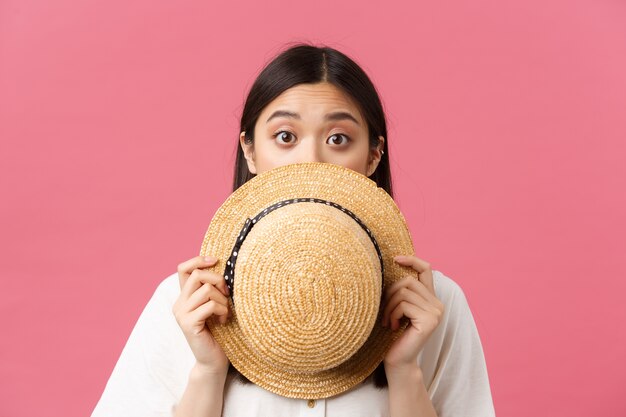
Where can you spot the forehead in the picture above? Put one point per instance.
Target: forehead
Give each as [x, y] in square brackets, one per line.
[313, 100]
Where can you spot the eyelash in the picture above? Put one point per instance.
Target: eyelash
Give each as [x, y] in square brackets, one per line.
[348, 138]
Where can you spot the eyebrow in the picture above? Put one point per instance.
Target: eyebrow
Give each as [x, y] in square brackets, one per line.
[334, 116]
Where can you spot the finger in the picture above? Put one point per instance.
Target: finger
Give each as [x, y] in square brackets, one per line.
[206, 310]
[202, 295]
[403, 283]
[405, 294]
[433, 304]
[186, 268]
[423, 268]
[404, 309]
[414, 285]
[201, 276]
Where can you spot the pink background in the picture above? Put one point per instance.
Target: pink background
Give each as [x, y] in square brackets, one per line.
[507, 128]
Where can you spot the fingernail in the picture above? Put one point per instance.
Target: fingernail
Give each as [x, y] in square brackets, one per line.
[210, 258]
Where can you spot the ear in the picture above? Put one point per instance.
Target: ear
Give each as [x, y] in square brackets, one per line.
[375, 156]
[248, 152]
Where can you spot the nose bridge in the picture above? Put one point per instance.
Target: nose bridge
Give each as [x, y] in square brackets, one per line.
[311, 149]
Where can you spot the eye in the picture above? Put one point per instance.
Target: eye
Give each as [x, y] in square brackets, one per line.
[336, 139]
[282, 134]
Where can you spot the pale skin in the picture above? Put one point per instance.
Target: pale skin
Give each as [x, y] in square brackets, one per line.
[308, 134]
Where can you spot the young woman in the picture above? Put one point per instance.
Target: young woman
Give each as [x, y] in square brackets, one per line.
[308, 104]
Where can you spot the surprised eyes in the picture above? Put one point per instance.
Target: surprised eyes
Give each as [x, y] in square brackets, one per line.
[282, 135]
[285, 137]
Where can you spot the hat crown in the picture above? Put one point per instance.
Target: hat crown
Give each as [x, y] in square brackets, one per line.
[301, 304]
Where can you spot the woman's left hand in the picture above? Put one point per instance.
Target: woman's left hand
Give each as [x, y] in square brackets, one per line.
[415, 299]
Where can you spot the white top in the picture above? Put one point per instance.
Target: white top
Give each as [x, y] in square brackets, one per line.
[152, 372]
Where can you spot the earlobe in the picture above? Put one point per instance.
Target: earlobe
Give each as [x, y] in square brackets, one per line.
[248, 152]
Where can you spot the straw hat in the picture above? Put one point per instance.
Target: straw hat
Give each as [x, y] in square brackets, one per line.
[307, 251]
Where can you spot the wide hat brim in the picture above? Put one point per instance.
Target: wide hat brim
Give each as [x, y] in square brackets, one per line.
[349, 189]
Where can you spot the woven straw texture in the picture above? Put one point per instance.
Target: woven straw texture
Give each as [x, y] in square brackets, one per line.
[307, 288]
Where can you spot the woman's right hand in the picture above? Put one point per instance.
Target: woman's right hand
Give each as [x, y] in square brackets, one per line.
[202, 294]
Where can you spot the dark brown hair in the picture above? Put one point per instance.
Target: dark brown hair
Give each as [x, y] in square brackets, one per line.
[306, 63]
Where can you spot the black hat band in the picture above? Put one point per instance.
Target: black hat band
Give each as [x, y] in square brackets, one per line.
[229, 272]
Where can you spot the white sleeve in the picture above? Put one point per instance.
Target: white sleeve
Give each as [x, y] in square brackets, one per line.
[146, 380]
[460, 383]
